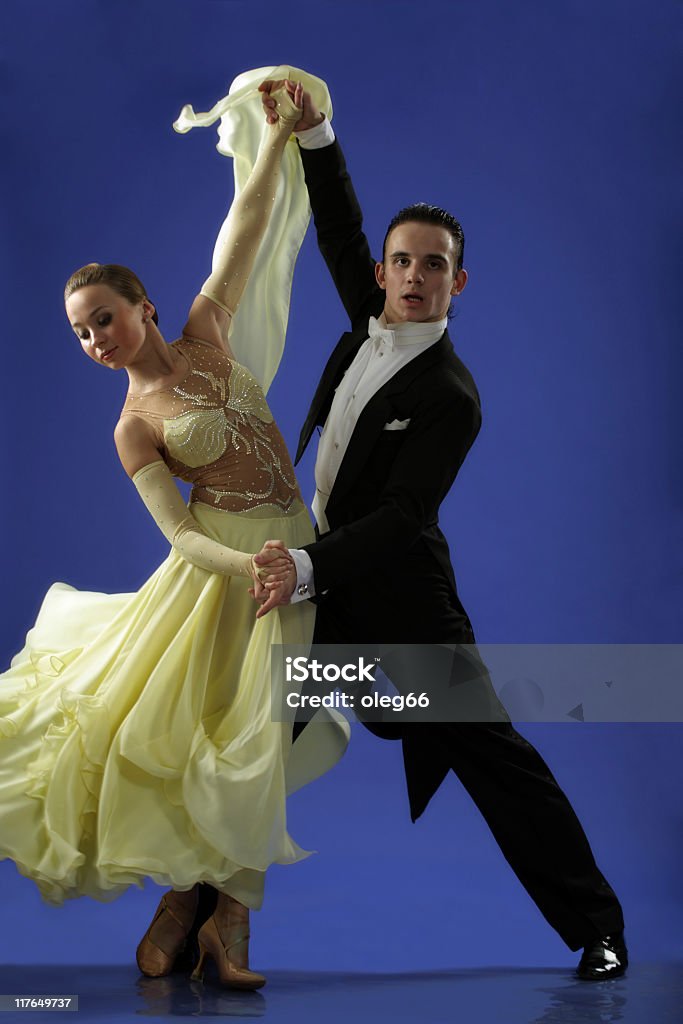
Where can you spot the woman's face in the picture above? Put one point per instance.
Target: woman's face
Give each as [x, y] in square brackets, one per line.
[111, 330]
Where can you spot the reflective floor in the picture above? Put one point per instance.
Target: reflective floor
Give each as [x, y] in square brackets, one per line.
[650, 994]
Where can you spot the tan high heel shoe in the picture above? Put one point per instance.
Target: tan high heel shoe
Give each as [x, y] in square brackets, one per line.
[229, 950]
[153, 961]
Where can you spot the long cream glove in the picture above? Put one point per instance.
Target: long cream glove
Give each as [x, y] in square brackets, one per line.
[157, 488]
[250, 212]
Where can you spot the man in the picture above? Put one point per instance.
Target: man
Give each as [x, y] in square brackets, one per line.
[399, 412]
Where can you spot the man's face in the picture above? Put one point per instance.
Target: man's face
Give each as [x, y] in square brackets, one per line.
[418, 273]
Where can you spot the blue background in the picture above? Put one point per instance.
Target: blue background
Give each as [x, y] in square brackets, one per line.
[553, 132]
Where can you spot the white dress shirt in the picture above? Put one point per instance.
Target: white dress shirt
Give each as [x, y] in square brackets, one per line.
[386, 351]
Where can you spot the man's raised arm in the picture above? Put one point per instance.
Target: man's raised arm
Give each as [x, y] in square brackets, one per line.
[336, 210]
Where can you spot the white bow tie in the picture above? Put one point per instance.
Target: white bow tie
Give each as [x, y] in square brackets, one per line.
[382, 334]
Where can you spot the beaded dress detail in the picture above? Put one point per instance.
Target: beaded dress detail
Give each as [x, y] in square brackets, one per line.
[215, 431]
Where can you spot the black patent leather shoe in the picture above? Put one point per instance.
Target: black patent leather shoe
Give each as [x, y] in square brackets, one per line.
[603, 959]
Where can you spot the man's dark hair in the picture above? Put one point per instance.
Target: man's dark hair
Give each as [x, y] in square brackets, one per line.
[426, 214]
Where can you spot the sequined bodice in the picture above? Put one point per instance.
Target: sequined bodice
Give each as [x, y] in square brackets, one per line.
[214, 429]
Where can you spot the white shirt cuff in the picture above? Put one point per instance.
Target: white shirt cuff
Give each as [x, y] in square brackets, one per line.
[305, 586]
[317, 137]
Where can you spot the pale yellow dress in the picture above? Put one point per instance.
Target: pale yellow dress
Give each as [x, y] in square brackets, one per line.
[136, 737]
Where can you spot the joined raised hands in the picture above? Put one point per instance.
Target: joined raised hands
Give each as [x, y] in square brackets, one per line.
[274, 577]
[310, 117]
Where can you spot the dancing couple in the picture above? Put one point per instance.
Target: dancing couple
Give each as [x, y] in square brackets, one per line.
[136, 738]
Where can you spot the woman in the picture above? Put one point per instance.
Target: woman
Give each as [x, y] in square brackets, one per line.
[135, 730]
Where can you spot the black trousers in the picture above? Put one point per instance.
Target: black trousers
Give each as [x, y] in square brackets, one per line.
[530, 817]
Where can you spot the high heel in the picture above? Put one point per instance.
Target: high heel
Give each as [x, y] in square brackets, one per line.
[231, 973]
[153, 961]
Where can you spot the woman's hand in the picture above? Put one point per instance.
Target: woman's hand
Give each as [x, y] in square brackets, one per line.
[310, 117]
[275, 577]
[271, 564]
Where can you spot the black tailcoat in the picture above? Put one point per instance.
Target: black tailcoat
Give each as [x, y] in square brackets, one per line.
[385, 562]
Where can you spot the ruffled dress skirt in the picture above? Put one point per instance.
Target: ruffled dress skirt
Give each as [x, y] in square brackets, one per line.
[136, 735]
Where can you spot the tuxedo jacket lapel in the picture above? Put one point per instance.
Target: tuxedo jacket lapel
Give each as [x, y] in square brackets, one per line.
[379, 411]
[340, 360]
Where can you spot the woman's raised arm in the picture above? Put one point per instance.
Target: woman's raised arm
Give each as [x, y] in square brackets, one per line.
[213, 308]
